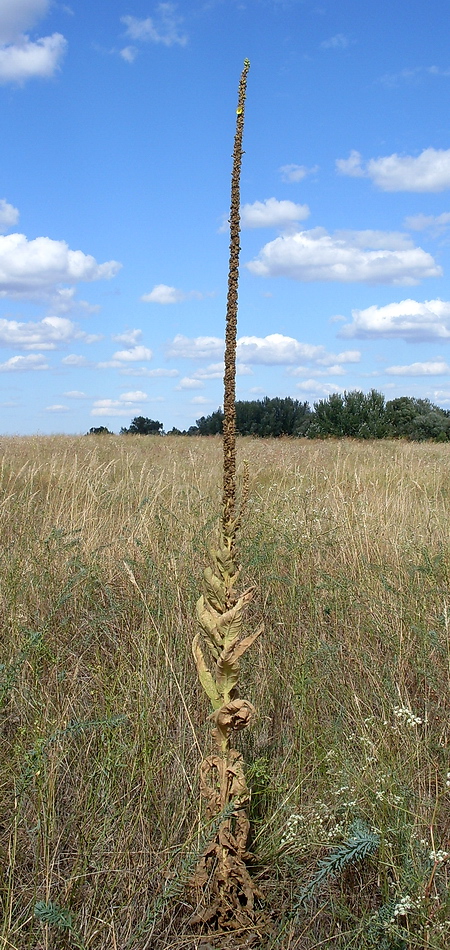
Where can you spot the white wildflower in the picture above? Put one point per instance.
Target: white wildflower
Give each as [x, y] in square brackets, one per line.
[407, 716]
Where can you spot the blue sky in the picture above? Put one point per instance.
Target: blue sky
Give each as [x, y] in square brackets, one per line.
[117, 126]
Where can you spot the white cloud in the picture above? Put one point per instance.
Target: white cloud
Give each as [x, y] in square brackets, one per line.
[27, 59]
[312, 387]
[333, 370]
[201, 347]
[271, 213]
[294, 173]
[129, 336]
[435, 224]
[276, 349]
[272, 350]
[74, 360]
[34, 361]
[128, 53]
[164, 294]
[412, 74]
[75, 394]
[57, 408]
[340, 41]
[216, 371]
[279, 350]
[149, 373]
[9, 215]
[123, 406]
[351, 166]
[35, 268]
[188, 382]
[344, 257]
[136, 396]
[134, 354]
[48, 334]
[408, 320]
[165, 27]
[200, 401]
[375, 240]
[427, 172]
[429, 368]
[17, 16]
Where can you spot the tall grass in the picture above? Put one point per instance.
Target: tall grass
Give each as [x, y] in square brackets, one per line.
[348, 545]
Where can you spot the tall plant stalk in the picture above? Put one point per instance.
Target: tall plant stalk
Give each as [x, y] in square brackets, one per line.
[227, 890]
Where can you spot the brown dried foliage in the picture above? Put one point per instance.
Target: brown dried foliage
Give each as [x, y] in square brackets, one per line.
[225, 890]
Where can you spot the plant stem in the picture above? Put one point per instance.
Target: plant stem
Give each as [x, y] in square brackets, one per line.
[229, 404]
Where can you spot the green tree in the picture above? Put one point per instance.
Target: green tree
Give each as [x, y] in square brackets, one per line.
[98, 430]
[141, 425]
[262, 417]
[417, 419]
[353, 414]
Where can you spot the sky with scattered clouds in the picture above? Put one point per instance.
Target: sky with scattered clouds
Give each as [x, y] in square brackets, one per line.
[118, 122]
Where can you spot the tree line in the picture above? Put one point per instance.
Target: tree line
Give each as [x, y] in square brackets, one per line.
[352, 414]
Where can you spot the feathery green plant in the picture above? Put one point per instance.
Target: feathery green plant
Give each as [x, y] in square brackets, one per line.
[9, 674]
[359, 845]
[55, 916]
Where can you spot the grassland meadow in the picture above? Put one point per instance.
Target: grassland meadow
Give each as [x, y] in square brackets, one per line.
[104, 724]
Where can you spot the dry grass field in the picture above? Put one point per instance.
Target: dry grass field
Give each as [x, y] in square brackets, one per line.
[103, 543]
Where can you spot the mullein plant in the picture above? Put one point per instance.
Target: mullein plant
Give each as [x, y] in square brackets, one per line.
[227, 890]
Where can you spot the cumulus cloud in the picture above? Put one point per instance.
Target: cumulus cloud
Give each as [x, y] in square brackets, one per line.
[200, 401]
[75, 394]
[163, 293]
[35, 268]
[28, 59]
[312, 387]
[352, 165]
[20, 57]
[75, 360]
[123, 406]
[370, 257]
[278, 350]
[201, 347]
[216, 371]
[272, 350]
[428, 368]
[335, 369]
[188, 382]
[294, 173]
[427, 172]
[129, 336]
[57, 408]
[339, 41]
[34, 361]
[16, 16]
[164, 28]
[271, 213]
[150, 373]
[134, 354]
[9, 215]
[408, 320]
[434, 224]
[48, 334]
[128, 53]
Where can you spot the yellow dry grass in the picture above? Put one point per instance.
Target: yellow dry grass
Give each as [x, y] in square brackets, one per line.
[348, 545]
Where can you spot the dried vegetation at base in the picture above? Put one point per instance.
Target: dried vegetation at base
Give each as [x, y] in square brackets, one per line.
[348, 546]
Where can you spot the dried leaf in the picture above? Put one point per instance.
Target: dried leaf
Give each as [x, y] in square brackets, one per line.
[207, 618]
[236, 649]
[216, 591]
[204, 673]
